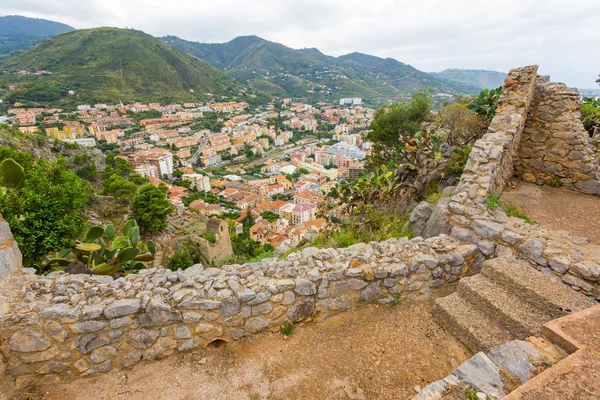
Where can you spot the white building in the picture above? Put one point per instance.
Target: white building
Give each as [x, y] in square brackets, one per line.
[198, 181]
[353, 101]
[303, 213]
[162, 159]
[147, 170]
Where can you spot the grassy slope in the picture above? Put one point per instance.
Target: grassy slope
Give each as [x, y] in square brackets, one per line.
[112, 64]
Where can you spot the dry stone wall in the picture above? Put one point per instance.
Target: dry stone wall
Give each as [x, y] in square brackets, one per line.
[555, 146]
[63, 326]
[573, 260]
[60, 326]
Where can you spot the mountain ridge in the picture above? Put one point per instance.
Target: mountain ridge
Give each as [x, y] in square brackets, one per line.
[110, 64]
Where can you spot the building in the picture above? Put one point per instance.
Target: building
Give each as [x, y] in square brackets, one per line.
[162, 159]
[353, 101]
[198, 181]
[303, 213]
[147, 170]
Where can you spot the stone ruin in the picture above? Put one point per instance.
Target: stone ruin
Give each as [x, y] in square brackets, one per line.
[60, 327]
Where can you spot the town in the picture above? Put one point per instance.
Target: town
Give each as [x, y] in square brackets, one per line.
[276, 163]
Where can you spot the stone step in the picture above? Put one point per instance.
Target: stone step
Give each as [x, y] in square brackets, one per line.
[510, 312]
[533, 287]
[469, 324]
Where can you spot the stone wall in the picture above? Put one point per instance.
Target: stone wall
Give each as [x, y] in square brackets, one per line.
[63, 326]
[573, 260]
[555, 146]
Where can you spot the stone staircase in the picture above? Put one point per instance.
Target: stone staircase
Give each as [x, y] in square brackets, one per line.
[508, 300]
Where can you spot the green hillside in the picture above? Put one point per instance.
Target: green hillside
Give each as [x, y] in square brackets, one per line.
[18, 33]
[477, 77]
[110, 64]
[310, 74]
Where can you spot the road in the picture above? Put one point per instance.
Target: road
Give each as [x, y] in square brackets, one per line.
[277, 152]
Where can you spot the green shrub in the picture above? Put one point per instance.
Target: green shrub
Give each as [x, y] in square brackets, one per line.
[210, 237]
[287, 328]
[492, 202]
[513, 211]
[555, 182]
[458, 161]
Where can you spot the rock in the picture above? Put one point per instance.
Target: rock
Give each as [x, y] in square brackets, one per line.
[88, 326]
[246, 295]
[92, 312]
[304, 287]
[131, 358]
[89, 342]
[513, 356]
[256, 324]
[464, 234]
[432, 391]
[480, 372]
[487, 229]
[102, 354]
[204, 328]
[56, 331]
[370, 293]
[143, 338]
[342, 287]
[230, 308]
[533, 249]
[560, 265]
[28, 340]
[438, 221]
[121, 308]
[368, 270]
[163, 347]
[58, 310]
[182, 332]
[288, 298]
[590, 186]
[158, 313]
[302, 310]
[448, 191]
[194, 269]
[419, 217]
[54, 367]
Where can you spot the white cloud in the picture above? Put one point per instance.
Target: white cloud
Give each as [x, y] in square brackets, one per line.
[428, 34]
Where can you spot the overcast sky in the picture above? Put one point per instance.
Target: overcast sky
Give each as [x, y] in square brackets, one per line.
[563, 37]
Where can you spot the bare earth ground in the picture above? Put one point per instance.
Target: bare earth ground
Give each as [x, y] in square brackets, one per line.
[374, 353]
[558, 208]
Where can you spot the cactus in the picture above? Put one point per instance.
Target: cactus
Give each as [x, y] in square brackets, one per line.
[105, 253]
[12, 175]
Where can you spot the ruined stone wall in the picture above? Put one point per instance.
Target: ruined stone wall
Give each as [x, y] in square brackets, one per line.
[63, 326]
[573, 260]
[555, 146]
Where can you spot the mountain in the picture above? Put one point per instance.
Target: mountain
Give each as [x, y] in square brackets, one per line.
[19, 33]
[308, 73]
[478, 77]
[110, 64]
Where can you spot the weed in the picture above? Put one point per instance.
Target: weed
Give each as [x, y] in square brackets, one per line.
[513, 211]
[555, 182]
[287, 328]
[492, 202]
[510, 381]
[396, 300]
[434, 197]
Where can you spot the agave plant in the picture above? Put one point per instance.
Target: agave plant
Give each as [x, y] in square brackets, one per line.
[105, 253]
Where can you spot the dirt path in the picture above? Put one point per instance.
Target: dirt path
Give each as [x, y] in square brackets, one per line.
[558, 208]
[374, 353]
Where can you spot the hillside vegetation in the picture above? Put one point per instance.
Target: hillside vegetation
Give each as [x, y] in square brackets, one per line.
[19, 33]
[110, 64]
[310, 74]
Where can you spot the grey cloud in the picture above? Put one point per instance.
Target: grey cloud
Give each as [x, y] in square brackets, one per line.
[429, 34]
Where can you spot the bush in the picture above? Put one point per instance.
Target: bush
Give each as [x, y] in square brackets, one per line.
[151, 209]
[46, 213]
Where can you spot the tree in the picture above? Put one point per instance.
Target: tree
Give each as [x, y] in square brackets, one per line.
[151, 209]
[461, 125]
[119, 188]
[393, 124]
[45, 214]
